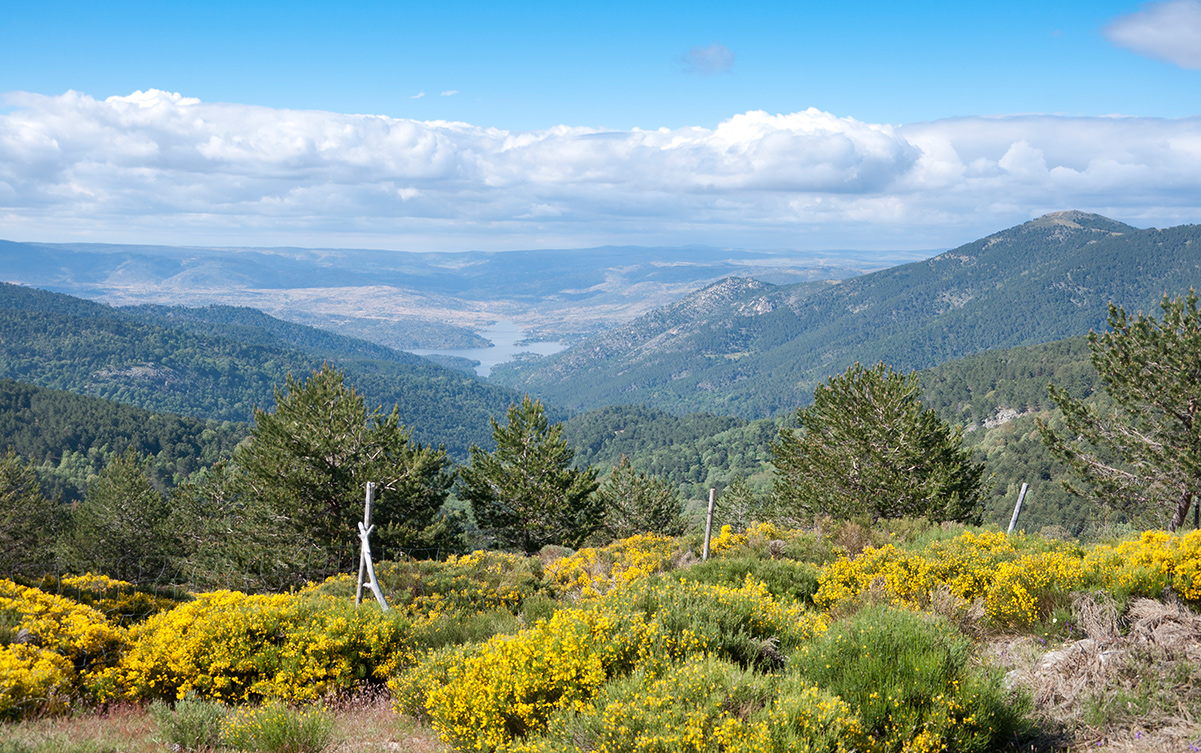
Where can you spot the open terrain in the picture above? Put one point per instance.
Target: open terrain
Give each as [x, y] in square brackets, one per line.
[416, 300]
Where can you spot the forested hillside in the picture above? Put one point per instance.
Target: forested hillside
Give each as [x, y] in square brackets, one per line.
[71, 438]
[995, 395]
[693, 452]
[764, 348]
[220, 363]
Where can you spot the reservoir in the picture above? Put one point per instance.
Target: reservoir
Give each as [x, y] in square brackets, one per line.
[504, 336]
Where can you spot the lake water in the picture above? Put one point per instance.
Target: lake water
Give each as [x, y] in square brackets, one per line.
[504, 337]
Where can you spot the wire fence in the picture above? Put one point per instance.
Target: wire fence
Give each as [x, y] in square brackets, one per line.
[174, 577]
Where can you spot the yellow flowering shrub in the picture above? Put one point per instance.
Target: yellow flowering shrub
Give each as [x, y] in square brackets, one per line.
[702, 705]
[1015, 580]
[53, 648]
[120, 601]
[593, 572]
[234, 647]
[476, 582]
[1150, 563]
[482, 697]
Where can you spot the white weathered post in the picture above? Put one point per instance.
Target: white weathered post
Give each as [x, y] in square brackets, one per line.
[1017, 509]
[709, 523]
[366, 568]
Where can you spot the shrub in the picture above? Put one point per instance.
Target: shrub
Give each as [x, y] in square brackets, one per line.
[784, 579]
[275, 728]
[476, 582]
[54, 649]
[120, 602]
[1148, 564]
[704, 704]
[194, 723]
[485, 696]
[1018, 579]
[596, 571]
[909, 677]
[232, 647]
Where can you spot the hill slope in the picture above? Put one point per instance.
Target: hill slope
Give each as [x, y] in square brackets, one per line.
[220, 363]
[757, 350]
[72, 437]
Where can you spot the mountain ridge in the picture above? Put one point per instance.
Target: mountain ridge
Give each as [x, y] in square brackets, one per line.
[1043, 280]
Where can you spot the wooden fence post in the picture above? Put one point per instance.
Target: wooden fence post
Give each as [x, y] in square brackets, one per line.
[1017, 509]
[709, 523]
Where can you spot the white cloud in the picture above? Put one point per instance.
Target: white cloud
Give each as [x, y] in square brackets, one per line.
[449, 93]
[418, 95]
[716, 58]
[1168, 31]
[160, 167]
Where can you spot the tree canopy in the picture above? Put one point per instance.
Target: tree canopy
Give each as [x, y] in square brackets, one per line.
[1143, 454]
[866, 446]
[636, 503]
[285, 509]
[526, 493]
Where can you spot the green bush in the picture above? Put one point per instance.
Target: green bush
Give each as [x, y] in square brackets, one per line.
[705, 705]
[275, 728]
[194, 723]
[459, 627]
[785, 579]
[910, 676]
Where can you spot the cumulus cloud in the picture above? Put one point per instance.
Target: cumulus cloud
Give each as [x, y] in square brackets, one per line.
[157, 166]
[1168, 31]
[716, 58]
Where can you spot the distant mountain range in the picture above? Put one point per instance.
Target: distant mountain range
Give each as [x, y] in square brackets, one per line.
[748, 348]
[415, 300]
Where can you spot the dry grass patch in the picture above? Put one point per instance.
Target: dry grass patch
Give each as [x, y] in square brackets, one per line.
[1134, 683]
[119, 729]
[363, 723]
[366, 723]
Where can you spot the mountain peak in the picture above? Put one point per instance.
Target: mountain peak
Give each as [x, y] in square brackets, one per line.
[1076, 220]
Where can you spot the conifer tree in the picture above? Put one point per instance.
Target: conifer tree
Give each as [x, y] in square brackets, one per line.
[1142, 456]
[286, 508]
[312, 457]
[739, 506]
[525, 493]
[866, 446]
[119, 528]
[29, 523]
[634, 503]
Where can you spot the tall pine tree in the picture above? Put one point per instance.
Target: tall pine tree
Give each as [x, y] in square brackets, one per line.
[526, 494]
[1142, 457]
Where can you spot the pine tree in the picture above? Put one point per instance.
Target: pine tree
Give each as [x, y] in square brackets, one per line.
[1143, 456]
[739, 506]
[119, 528]
[286, 508]
[312, 457]
[636, 503]
[525, 493]
[868, 447]
[29, 523]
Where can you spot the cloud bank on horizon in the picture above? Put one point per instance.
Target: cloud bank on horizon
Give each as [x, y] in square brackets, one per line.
[160, 167]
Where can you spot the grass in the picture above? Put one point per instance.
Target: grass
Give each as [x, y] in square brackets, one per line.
[362, 723]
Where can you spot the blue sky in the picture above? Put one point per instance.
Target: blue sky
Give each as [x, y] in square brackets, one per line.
[555, 102]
